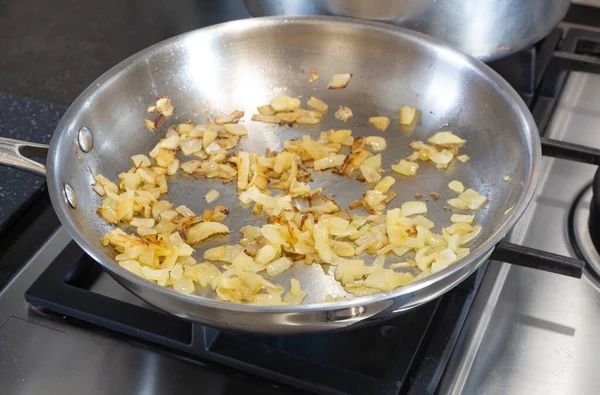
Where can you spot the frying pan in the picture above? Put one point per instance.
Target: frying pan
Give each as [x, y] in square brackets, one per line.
[244, 64]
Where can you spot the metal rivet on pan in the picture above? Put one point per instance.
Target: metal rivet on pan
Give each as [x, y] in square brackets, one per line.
[85, 139]
[70, 195]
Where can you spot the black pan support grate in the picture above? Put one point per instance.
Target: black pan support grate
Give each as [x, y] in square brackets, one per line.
[551, 61]
[399, 356]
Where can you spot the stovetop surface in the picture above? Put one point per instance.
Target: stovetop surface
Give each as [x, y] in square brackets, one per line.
[529, 332]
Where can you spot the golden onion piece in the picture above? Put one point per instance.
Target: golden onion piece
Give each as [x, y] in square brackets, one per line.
[266, 118]
[377, 143]
[236, 129]
[349, 270]
[405, 168]
[330, 161]
[380, 123]
[468, 200]
[407, 115]
[265, 110]
[279, 266]
[339, 81]
[296, 295]
[456, 186]
[412, 208]
[317, 104]
[338, 136]
[446, 139]
[387, 279]
[385, 184]
[343, 113]
[204, 230]
[284, 103]
[462, 219]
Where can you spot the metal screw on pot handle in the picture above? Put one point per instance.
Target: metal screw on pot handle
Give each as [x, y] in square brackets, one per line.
[16, 153]
[537, 259]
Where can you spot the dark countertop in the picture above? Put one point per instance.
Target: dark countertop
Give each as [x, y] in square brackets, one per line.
[51, 51]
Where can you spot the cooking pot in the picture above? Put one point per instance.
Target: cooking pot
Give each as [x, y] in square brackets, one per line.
[485, 29]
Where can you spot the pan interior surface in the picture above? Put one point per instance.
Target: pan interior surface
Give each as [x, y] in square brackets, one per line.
[244, 64]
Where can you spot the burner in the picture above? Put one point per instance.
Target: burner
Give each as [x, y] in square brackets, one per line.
[581, 223]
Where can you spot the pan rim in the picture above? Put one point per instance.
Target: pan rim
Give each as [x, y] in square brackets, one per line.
[518, 107]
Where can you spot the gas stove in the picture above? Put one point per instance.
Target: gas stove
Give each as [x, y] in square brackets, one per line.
[67, 327]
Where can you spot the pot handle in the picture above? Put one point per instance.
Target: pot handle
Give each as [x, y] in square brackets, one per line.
[537, 259]
[18, 154]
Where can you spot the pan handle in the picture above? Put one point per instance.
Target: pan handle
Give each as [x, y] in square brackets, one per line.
[537, 259]
[17, 153]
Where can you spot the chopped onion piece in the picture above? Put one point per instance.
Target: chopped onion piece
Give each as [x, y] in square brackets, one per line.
[231, 118]
[349, 270]
[204, 230]
[442, 260]
[419, 220]
[462, 219]
[406, 168]
[473, 199]
[140, 161]
[463, 158]
[442, 159]
[279, 266]
[266, 110]
[317, 104]
[377, 143]
[236, 129]
[265, 254]
[458, 203]
[296, 295]
[163, 105]
[380, 123]
[266, 118]
[146, 222]
[285, 103]
[151, 126]
[210, 135]
[370, 174]
[466, 238]
[412, 208]
[306, 119]
[313, 76]
[273, 235]
[339, 81]
[343, 113]
[288, 117]
[456, 186]
[190, 146]
[329, 162]
[387, 279]
[385, 184]
[185, 211]
[407, 115]
[321, 240]
[446, 139]
[342, 248]
[211, 196]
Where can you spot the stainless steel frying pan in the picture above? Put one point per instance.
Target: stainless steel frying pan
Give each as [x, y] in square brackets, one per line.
[243, 64]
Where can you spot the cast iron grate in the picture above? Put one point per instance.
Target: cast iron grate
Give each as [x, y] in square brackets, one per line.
[394, 357]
